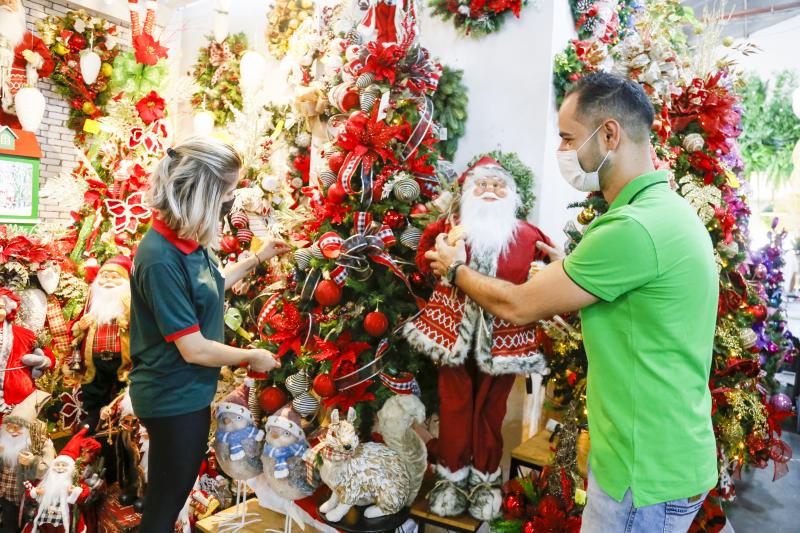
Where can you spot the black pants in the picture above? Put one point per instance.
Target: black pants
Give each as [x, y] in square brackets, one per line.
[10, 511]
[103, 388]
[177, 449]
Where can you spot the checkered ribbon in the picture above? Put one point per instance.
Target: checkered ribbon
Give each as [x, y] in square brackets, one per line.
[405, 383]
[322, 448]
[58, 329]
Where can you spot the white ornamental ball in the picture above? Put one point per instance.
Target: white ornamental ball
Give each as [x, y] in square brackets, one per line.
[270, 183]
[693, 142]
[303, 139]
[353, 52]
[80, 25]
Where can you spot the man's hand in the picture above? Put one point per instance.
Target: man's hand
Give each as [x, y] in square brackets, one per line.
[33, 58]
[85, 322]
[25, 458]
[445, 255]
[554, 253]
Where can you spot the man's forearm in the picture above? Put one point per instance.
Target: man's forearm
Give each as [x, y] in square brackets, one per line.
[500, 298]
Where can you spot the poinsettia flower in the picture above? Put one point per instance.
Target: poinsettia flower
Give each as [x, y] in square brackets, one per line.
[369, 138]
[151, 108]
[148, 50]
[289, 327]
[346, 399]
[340, 351]
[382, 60]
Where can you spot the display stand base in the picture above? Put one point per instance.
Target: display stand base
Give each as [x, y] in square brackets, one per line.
[383, 524]
[264, 519]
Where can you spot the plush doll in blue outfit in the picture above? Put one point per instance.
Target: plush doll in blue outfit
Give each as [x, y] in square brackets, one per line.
[285, 445]
[237, 441]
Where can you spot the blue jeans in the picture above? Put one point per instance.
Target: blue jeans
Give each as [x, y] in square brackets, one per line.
[604, 514]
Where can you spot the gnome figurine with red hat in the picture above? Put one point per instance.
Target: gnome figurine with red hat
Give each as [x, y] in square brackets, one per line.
[20, 361]
[476, 351]
[57, 494]
[103, 338]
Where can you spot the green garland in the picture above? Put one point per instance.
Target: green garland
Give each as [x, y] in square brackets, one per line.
[225, 92]
[488, 18]
[523, 176]
[767, 145]
[450, 103]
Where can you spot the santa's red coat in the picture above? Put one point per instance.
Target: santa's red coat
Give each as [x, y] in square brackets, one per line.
[34, 44]
[18, 381]
[446, 327]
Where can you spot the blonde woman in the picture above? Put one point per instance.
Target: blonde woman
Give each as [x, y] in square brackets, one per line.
[177, 324]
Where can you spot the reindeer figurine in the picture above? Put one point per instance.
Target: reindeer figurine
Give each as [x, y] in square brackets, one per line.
[360, 474]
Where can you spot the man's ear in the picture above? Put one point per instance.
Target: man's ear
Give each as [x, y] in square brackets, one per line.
[611, 133]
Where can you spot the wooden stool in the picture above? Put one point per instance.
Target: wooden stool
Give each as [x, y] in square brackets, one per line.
[268, 519]
[422, 514]
[535, 453]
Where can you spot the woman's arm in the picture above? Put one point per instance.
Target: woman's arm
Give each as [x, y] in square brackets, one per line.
[234, 272]
[198, 350]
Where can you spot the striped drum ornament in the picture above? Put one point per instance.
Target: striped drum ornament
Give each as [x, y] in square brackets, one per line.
[406, 190]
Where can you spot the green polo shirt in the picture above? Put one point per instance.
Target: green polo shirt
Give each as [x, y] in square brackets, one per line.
[176, 289]
[649, 344]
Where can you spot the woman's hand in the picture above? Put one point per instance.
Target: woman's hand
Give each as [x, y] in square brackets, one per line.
[272, 248]
[262, 360]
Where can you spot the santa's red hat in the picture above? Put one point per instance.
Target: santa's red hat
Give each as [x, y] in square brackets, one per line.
[483, 165]
[11, 303]
[120, 264]
[73, 448]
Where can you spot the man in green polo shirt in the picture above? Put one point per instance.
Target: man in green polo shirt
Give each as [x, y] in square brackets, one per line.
[645, 280]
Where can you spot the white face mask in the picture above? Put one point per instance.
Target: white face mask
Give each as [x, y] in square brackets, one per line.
[573, 173]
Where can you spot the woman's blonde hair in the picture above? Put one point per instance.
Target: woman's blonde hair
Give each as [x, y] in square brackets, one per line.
[188, 185]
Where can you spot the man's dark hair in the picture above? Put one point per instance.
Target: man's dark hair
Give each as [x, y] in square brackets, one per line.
[604, 95]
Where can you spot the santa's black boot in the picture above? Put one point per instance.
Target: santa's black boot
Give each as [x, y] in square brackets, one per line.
[449, 494]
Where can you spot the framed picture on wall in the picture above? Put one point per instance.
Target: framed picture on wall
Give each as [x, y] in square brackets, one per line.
[19, 176]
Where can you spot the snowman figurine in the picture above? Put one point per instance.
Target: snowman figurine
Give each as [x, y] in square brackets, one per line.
[282, 458]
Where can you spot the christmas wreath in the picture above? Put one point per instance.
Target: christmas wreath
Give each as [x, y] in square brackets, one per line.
[78, 42]
[450, 109]
[282, 22]
[523, 176]
[477, 18]
[216, 74]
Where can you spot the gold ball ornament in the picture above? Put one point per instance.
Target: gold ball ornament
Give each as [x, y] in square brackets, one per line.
[89, 108]
[727, 41]
[107, 69]
[60, 49]
[587, 215]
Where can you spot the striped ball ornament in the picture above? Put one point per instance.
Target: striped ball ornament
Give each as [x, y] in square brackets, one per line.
[305, 404]
[298, 383]
[367, 100]
[244, 235]
[316, 252]
[406, 190]
[410, 237]
[239, 220]
[327, 177]
[302, 258]
[365, 80]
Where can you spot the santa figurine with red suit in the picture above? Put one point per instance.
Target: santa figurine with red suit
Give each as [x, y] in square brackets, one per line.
[20, 360]
[57, 495]
[479, 355]
[24, 58]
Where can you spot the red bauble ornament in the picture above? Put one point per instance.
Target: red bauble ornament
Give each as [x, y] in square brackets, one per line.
[336, 193]
[376, 323]
[122, 239]
[394, 220]
[419, 209]
[328, 293]
[418, 279]
[514, 506]
[758, 311]
[77, 43]
[335, 161]
[229, 244]
[324, 385]
[529, 527]
[271, 399]
[350, 100]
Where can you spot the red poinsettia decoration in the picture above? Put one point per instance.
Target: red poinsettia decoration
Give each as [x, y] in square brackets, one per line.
[151, 108]
[369, 138]
[346, 399]
[95, 194]
[712, 105]
[551, 518]
[340, 351]
[21, 248]
[289, 327]
[382, 60]
[148, 51]
[323, 210]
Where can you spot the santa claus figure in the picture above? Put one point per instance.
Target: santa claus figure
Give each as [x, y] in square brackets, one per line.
[24, 58]
[20, 361]
[479, 355]
[103, 337]
[131, 443]
[58, 495]
[25, 454]
[384, 20]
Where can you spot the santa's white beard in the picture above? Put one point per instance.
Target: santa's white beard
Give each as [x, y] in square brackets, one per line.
[489, 226]
[12, 26]
[107, 304]
[56, 487]
[13, 446]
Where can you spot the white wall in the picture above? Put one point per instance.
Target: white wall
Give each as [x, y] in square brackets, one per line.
[777, 49]
[508, 75]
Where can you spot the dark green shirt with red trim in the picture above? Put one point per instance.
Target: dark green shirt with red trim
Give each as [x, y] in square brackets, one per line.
[176, 289]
